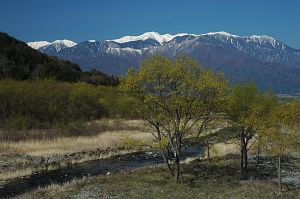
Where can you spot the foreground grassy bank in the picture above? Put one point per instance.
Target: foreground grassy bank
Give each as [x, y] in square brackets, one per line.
[218, 179]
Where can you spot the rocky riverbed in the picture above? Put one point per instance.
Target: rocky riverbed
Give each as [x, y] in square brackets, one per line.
[24, 164]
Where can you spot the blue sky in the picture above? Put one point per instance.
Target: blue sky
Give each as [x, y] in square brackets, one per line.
[80, 20]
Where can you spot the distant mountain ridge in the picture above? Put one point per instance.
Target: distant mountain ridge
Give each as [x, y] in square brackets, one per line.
[42, 44]
[270, 63]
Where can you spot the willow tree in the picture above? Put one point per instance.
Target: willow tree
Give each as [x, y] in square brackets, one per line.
[178, 99]
[282, 136]
[247, 110]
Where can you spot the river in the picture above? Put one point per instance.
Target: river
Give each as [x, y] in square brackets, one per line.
[90, 168]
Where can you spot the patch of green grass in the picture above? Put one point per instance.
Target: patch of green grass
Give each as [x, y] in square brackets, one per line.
[199, 180]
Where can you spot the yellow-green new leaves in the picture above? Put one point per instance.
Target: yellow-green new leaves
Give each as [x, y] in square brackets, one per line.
[162, 144]
[282, 136]
[283, 132]
[249, 108]
[175, 96]
[181, 85]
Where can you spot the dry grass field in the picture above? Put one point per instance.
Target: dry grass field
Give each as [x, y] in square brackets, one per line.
[108, 137]
[64, 145]
[120, 135]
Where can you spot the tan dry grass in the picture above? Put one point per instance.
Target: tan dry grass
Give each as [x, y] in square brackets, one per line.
[223, 149]
[122, 140]
[15, 174]
[106, 140]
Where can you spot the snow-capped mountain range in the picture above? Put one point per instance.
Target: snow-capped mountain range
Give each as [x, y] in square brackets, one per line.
[262, 59]
[57, 44]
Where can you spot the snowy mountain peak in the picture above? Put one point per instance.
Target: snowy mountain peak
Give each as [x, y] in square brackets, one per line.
[37, 44]
[221, 33]
[59, 44]
[254, 38]
[148, 35]
[65, 42]
[164, 38]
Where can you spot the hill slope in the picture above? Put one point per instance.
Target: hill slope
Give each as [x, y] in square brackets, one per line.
[19, 61]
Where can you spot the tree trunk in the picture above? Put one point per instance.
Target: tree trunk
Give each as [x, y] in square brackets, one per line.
[242, 157]
[177, 168]
[257, 157]
[167, 163]
[177, 155]
[208, 153]
[242, 148]
[245, 158]
[279, 173]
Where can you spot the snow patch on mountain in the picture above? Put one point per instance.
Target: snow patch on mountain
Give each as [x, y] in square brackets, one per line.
[58, 44]
[148, 35]
[65, 42]
[122, 50]
[263, 38]
[38, 44]
[221, 33]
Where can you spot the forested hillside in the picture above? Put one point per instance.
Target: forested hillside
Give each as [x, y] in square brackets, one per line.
[19, 61]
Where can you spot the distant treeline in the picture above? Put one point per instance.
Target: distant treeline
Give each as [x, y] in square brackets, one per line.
[49, 103]
[98, 78]
[20, 62]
